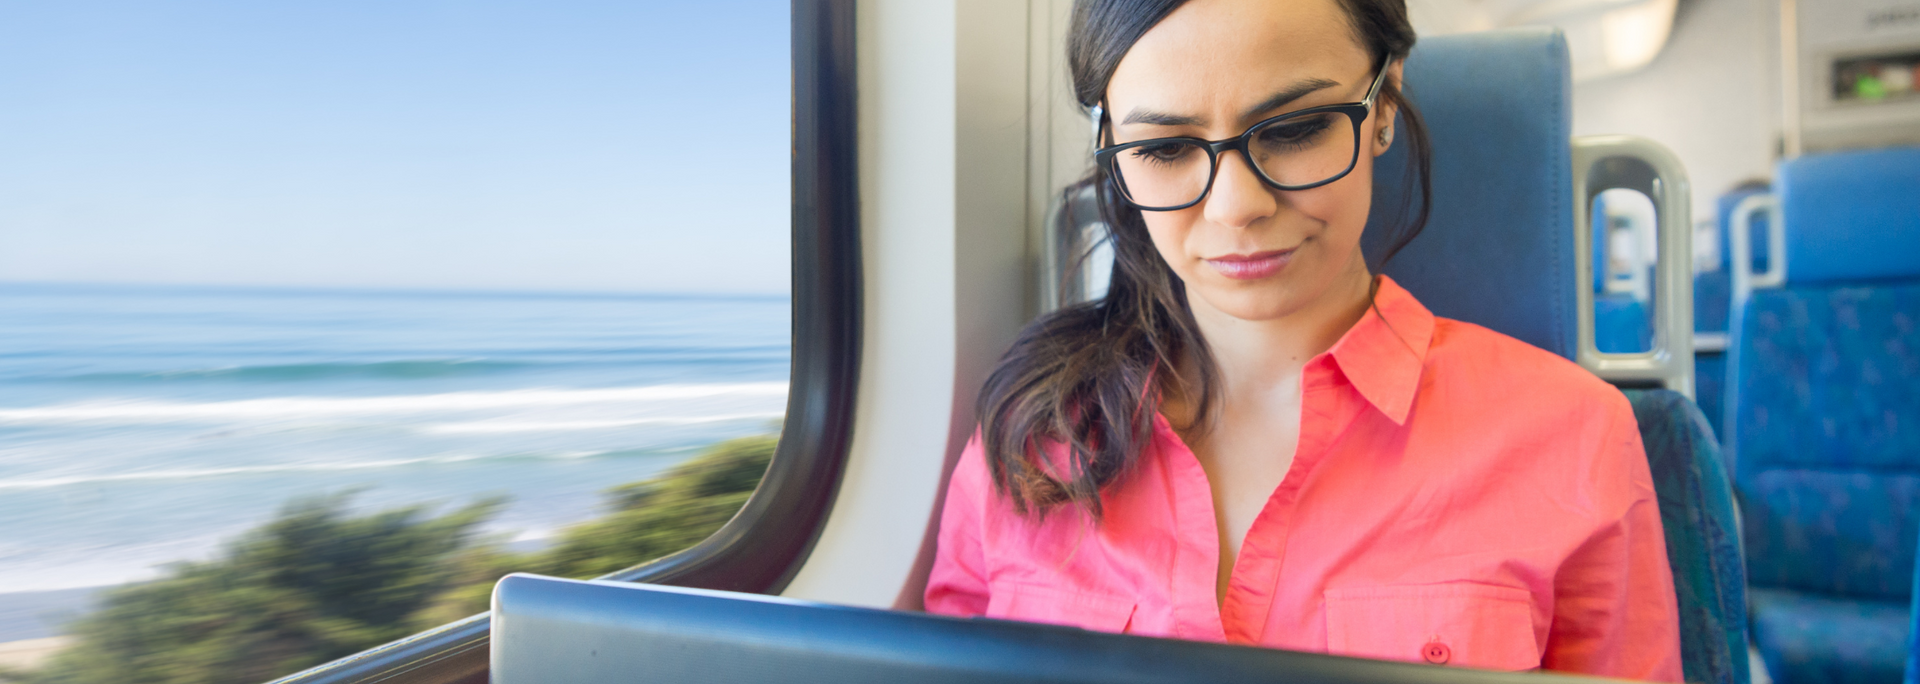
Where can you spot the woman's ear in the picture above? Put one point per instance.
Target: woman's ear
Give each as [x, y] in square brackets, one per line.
[1385, 109]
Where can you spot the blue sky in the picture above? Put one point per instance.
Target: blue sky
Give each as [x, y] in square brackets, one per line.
[527, 144]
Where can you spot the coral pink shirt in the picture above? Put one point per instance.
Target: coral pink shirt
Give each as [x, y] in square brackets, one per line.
[1457, 496]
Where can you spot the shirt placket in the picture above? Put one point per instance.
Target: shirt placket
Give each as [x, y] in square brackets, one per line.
[1196, 538]
[1328, 405]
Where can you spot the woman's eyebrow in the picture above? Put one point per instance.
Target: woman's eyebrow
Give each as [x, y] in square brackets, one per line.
[1285, 97]
[1278, 100]
[1148, 116]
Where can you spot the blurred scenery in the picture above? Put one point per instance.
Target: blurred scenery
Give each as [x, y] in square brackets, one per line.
[315, 319]
[146, 426]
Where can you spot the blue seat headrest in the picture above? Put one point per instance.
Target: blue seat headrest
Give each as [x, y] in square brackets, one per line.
[1851, 216]
[1498, 247]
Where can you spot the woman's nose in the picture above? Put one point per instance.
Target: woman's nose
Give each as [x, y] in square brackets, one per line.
[1238, 197]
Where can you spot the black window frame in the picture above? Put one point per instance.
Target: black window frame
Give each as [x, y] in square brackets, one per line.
[764, 545]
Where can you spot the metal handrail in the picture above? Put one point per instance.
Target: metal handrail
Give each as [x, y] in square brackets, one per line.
[1740, 247]
[1607, 162]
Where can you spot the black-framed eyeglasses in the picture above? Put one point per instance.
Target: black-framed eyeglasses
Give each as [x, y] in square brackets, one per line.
[1293, 151]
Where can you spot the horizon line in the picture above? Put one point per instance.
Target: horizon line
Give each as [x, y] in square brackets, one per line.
[395, 290]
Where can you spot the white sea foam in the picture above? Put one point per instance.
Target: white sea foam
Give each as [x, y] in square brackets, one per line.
[109, 411]
[497, 426]
[205, 473]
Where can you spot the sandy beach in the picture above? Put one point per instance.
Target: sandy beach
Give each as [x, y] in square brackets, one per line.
[30, 653]
[32, 624]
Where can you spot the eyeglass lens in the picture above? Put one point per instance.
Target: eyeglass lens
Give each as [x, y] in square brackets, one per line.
[1293, 151]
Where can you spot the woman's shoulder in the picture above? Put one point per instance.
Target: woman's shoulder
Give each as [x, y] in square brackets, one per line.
[1544, 420]
[1503, 371]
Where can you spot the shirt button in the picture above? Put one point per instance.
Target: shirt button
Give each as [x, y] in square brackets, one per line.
[1436, 653]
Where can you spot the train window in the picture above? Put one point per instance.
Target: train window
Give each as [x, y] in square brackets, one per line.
[316, 319]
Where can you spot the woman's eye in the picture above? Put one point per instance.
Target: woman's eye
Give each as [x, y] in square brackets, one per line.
[1293, 133]
[1166, 153]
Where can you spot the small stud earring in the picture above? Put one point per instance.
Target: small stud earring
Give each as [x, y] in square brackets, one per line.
[1385, 137]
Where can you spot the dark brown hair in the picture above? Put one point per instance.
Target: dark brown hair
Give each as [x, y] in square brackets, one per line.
[1088, 379]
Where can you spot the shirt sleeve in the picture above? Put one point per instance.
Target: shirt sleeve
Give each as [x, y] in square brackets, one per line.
[958, 583]
[1615, 614]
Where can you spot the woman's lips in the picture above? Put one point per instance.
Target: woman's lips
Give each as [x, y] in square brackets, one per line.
[1251, 266]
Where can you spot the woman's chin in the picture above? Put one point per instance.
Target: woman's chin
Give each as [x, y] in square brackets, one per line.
[1253, 306]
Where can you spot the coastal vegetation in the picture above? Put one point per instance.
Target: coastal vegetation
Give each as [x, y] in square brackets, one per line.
[320, 582]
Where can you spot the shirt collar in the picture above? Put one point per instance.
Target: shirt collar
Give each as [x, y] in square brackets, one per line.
[1383, 353]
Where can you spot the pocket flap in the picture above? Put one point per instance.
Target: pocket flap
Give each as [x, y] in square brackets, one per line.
[1030, 603]
[1454, 623]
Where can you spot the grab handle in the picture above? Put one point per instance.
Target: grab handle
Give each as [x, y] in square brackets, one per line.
[1740, 243]
[1607, 162]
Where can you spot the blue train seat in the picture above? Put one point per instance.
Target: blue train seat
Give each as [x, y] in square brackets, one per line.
[1710, 386]
[1497, 105]
[1823, 419]
[1703, 537]
[1712, 302]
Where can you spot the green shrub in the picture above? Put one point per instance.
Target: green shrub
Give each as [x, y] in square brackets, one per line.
[313, 585]
[317, 583]
[665, 514]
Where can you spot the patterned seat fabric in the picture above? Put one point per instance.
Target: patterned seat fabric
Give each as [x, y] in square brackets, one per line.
[1703, 541]
[1829, 475]
[1807, 638]
[1828, 379]
[1829, 423]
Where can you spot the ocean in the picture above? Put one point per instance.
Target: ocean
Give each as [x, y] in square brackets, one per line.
[146, 425]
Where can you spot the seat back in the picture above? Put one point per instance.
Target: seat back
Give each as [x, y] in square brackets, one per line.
[1497, 105]
[1703, 539]
[1823, 416]
[1712, 305]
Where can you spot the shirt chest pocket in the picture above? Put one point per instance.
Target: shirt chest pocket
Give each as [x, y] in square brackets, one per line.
[1033, 603]
[1455, 623]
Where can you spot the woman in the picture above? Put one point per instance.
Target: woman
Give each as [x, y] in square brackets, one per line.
[1253, 438]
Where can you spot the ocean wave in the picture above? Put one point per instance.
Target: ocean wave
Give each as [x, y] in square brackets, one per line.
[305, 372]
[208, 473]
[493, 426]
[411, 369]
[282, 408]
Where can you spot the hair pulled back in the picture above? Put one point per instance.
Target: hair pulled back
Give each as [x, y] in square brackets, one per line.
[1085, 382]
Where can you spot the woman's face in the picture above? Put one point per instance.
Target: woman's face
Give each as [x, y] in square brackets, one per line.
[1211, 69]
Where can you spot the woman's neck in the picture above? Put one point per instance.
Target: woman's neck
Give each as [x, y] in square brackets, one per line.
[1253, 356]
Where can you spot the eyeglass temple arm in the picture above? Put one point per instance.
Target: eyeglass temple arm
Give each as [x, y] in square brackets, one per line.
[1377, 80]
[1098, 114]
